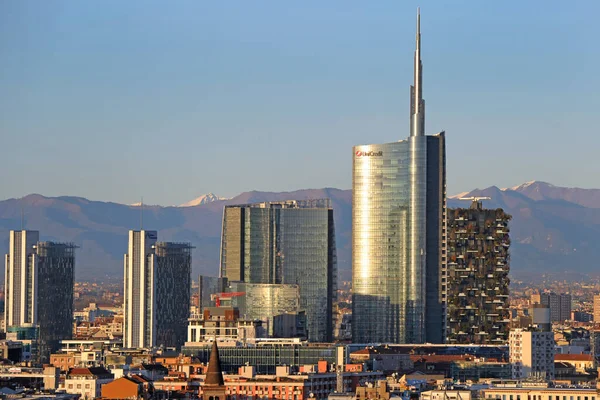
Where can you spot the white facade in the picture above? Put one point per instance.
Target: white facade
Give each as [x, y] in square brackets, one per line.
[446, 395]
[139, 268]
[89, 387]
[20, 279]
[531, 353]
[538, 393]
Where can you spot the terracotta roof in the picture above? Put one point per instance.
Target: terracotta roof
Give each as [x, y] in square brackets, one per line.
[573, 357]
[214, 375]
[138, 378]
[92, 371]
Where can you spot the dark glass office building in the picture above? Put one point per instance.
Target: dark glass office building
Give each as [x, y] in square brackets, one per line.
[55, 280]
[398, 233]
[285, 242]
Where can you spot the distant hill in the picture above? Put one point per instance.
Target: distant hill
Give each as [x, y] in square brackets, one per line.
[100, 228]
[554, 229]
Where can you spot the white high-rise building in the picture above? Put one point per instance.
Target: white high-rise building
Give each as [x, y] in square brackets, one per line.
[20, 283]
[532, 349]
[138, 304]
[156, 291]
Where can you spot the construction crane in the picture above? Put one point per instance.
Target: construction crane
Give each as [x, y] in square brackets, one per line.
[224, 295]
[475, 198]
[476, 201]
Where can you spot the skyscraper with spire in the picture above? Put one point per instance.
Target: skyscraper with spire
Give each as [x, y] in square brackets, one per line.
[398, 232]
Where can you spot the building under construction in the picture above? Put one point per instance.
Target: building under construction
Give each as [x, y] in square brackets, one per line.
[478, 266]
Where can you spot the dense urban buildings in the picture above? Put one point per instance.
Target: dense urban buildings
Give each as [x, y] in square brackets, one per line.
[285, 242]
[477, 278]
[596, 310]
[398, 233]
[39, 290]
[157, 291]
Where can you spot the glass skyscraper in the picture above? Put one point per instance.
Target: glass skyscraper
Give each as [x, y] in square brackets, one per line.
[398, 233]
[285, 242]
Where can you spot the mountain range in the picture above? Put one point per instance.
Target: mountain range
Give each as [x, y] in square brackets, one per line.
[554, 229]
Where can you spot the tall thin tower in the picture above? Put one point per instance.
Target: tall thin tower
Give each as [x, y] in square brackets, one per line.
[398, 234]
[417, 104]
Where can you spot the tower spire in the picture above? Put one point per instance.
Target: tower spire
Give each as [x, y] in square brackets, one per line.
[417, 104]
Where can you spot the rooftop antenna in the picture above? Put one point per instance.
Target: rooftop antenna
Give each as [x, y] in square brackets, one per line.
[142, 214]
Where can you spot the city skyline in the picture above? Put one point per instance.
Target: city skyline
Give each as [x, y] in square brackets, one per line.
[394, 288]
[255, 76]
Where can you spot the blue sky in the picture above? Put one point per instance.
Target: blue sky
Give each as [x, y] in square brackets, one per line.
[115, 100]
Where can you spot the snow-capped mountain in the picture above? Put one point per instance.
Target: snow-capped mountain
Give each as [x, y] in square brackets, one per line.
[205, 198]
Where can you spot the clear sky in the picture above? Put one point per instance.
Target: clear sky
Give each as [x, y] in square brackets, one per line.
[113, 100]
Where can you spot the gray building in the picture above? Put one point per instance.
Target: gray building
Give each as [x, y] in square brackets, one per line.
[56, 276]
[157, 285]
[559, 305]
[39, 279]
[398, 233]
[285, 242]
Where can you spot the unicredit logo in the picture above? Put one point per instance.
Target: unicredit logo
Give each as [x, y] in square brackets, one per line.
[369, 153]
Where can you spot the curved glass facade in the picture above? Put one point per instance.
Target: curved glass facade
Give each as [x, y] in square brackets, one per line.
[380, 204]
[398, 241]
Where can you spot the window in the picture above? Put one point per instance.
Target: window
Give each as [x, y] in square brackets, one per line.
[79, 386]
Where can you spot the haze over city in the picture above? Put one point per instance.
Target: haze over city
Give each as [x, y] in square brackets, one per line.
[123, 100]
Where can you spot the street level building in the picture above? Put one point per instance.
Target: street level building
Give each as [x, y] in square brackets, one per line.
[532, 349]
[597, 308]
[477, 279]
[224, 324]
[398, 233]
[157, 291]
[285, 242]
